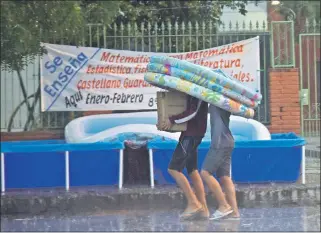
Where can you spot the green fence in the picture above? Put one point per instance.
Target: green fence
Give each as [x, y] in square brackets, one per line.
[309, 50]
[282, 44]
[149, 37]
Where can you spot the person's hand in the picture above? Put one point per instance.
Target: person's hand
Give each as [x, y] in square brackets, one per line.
[167, 125]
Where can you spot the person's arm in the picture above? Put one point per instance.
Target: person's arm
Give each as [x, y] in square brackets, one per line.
[189, 113]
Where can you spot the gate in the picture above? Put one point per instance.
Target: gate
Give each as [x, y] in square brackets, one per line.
[309, 46]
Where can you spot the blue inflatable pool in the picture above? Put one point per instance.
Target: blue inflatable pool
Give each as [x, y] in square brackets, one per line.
[253, 161]
[93, 153]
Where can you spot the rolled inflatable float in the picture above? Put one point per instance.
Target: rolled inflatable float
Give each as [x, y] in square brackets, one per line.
[191, 77]
[199, 92]
[206, 73]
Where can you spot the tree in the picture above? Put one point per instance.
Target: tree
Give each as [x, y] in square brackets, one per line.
[177, 10]
[306, 9]
[24, 24]
[168, 17]
[303, 13]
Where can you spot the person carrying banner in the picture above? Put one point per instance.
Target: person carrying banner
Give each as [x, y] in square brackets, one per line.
[185, 155]
[218, 161]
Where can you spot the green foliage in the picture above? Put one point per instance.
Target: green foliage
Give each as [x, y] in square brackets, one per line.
[168, 18]
[306, 9]
[103, 12]
[177, 10]
[24, 24]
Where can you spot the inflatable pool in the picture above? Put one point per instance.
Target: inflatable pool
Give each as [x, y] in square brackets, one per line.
[200, 92]
[94, 153]
[208, 74]
[116, 127]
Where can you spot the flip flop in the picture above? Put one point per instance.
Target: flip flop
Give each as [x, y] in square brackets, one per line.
[204, 216]
[192, 214]
[218, 214]
[234, 218]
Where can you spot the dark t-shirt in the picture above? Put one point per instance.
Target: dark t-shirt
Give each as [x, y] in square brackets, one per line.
[195, 116]
[221, 136]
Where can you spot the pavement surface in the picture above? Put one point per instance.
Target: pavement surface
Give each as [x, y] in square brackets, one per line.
[312, 152]
[312, 147]
[93, 199]
[288, 218]
[313, 143]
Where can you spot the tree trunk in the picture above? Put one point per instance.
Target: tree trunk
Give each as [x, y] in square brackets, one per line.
[16, 111]
[32, 121]
[24, 93]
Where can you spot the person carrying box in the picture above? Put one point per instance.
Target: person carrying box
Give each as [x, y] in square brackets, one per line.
[185, 155]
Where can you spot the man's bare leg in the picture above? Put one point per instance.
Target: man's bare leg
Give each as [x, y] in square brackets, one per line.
[199, 190]
[216, 189]
[192, 201]
[229, 189]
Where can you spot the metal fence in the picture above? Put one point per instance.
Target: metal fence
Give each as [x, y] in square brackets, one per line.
[282, 43]
[149, 37]
[309, 50]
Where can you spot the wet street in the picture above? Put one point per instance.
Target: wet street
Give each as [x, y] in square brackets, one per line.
[260, 219]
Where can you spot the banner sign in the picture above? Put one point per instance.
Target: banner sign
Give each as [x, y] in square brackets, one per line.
[89, 79]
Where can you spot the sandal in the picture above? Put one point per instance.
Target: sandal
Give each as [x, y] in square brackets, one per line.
[192, 214]
[204, 215]
[234, 218]
[218, 214]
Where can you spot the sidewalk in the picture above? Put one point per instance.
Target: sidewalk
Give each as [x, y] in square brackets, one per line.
[312, 147]
[312, 153]
[87, 199]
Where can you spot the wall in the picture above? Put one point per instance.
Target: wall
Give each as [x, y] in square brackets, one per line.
[89, 113]
[32, 135]
[273, 13]
[284, 101]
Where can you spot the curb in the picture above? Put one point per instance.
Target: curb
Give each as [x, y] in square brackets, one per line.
[91, 199]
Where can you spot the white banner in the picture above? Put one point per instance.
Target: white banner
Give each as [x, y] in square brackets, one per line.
[83, 78]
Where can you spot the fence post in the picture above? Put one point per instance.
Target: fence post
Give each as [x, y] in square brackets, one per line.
[67, 173]
[3, 179]
[121, 168]
[151, 168]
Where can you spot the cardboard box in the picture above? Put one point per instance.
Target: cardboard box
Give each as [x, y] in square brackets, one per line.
[169, 104]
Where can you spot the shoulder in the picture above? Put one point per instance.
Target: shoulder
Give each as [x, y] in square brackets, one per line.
[220, 111]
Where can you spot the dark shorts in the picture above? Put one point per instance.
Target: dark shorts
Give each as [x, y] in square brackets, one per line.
[185, 154]
[218, 161]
